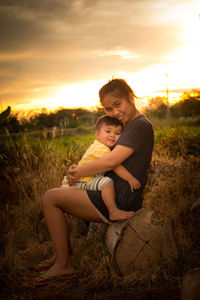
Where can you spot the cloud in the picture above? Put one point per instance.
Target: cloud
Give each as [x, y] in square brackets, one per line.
[54, 42]
[85, 24]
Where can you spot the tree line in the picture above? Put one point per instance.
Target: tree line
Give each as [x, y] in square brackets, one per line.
[63, 118]
[188, 106]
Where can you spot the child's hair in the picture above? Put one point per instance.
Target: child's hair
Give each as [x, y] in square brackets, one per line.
[106, 120]
[119, 87]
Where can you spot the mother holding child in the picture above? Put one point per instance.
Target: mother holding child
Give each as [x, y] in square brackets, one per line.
[101, 198]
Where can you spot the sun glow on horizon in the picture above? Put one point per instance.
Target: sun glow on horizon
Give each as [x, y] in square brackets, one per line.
[83, 94]
[179, 70]
[163, 56]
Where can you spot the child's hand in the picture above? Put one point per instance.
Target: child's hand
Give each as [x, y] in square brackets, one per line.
[71, 174]
[134, 184]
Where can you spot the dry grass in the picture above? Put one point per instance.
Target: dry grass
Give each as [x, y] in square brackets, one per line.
[29, 169]
[173, 185]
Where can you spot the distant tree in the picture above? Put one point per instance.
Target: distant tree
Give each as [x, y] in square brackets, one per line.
[5, 114]
[157, 108]
[192, 94]
[12, 124]
[188, 107]
[155, 102]
[62, 118]
[99, 112]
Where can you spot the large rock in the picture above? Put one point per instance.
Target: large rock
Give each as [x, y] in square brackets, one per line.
[190, 289]
[140, 242]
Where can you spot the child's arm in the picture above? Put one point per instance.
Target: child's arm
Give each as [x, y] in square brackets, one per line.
[122, 172]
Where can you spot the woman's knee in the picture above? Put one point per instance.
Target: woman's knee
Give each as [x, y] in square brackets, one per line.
[48, 197]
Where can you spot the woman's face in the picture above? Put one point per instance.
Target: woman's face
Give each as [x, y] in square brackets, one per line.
[119, 108]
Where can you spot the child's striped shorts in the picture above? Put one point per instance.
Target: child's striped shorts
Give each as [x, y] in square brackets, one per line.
[96, 184]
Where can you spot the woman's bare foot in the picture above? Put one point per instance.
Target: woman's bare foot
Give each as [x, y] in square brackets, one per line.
[119, 214]
[57, 271]
[46, 264]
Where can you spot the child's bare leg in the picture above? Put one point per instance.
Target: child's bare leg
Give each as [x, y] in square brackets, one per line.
[108, 196]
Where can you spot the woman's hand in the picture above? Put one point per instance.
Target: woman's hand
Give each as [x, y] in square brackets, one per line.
[71, 174]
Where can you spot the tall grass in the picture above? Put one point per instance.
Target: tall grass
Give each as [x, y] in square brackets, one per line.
[31, 166]
[181, 141]
[28, 168]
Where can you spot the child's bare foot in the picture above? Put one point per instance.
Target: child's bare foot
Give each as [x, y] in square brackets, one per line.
[56, 272]
[119, 214]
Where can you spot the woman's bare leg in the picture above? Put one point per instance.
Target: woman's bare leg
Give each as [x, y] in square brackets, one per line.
[75, 202]
[46, 264]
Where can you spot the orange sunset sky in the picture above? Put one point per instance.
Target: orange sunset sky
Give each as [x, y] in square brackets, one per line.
[58, 53]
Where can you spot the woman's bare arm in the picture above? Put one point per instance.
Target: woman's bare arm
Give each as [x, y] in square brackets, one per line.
[103, 164]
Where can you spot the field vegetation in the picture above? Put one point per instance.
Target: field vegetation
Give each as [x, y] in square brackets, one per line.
[30, 165]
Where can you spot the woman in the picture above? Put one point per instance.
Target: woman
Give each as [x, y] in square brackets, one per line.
[133, 149]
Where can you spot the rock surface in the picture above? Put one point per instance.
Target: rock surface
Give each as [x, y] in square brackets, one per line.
[140, 242]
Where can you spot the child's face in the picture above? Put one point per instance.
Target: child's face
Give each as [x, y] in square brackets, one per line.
[108, 134]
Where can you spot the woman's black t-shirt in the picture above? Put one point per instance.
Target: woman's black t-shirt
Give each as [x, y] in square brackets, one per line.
[139, 136]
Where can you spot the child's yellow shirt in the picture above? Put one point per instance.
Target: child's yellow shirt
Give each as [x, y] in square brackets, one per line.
[95, 151]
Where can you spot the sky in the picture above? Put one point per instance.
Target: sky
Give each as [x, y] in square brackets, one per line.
[58, 53]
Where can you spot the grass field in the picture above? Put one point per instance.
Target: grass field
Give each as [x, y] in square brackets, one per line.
[30, 166]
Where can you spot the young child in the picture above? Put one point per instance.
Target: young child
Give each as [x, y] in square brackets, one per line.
[108, 130]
